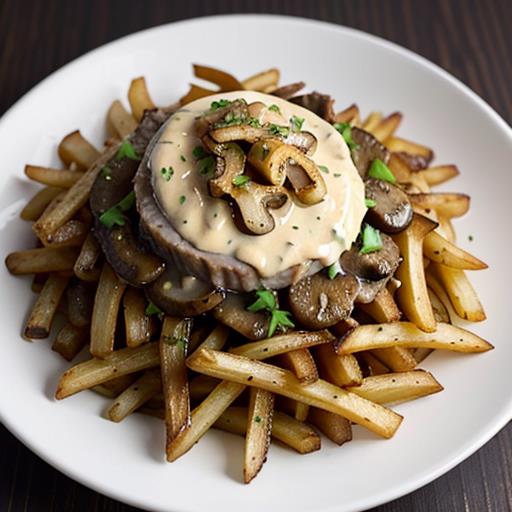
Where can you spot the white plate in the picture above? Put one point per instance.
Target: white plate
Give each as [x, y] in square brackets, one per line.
[126, 461]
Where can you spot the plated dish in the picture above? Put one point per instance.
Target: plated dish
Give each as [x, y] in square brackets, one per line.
[267, 304]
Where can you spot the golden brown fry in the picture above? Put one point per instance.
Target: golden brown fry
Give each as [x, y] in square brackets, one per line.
[41, 317]
[439, 174]
[301, 363]
[397, 387]
[85, 267]
[119, 120]
[72, 234]
[62, 178]
[383, 308]
[112, 388]
[74, 148]
[348, 115]
[37, 205]
[397, 359]
[439, 299]
[137, 323]
[319, 394]
[301, 411]
[216, 339]
[337, 369]
[201, 386]
[334, 427]
[462, 295]
[372, 121]
[440, 250]
[173, 349]
[97, 371]
[261, 81]
[387, 127]
[38, 282]
[80, 302]
[41, 260]
[203, 417]
[136, 395]
[225, 81]
[139, 98]
[375, 366]
[412, 296]
[259, 429]
[397, 144]
[399, 168]
[70, 341]
[445, 204]
[104, 315]
[195, 92]
[407, 334]
[284, 343]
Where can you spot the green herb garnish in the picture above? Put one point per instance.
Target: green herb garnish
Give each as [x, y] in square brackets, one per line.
[241, 180]
[255, 123]
[372, 241]
[274, 108]
[279, 130]
[114, 215]
[153, 309]
[470, 238]
[279, 319]
[126, 150]
[182, 158]
[215, 105]
[266, 301]
[346, 132]
[324, 168]
[182, 199]
[106, 172]
[380, 171]
[370, 203]
[206, 165]
[333, 270]
[296, 123]
[167, 173]
[198, 152]
[257, 419]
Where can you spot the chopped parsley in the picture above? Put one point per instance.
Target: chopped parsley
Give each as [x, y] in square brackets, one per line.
[380, 171]
[177, 341]
[182, 158]
[167, 173]
[241, 180]
[215, 105]
[279, 319]
[255, 123]
[114, 215]
[275, 129]
[106, 172]
[153, 309]
[470, 238]
[126, 150]
[296, 123]
[257, 419]
[324, 168]
[274, 108]
[266, 301]
[295, 227]
[333, 270]
[372, 241]
[337, 174]
[182, 199]
[370, 203]
[345, 130]
[198, 152]
[206, 165]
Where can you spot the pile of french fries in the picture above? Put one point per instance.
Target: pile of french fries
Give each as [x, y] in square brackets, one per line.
[196, 375]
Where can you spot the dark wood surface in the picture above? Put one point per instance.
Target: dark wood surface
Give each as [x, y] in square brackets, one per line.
[470, 39]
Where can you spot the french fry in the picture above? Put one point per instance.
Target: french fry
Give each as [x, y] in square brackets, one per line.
[40, 320]
[41, 260]
[334, 427]
[195, 92]
[437, 248]
[104, 314]
[97, 371]
[262, 81]
[397, 359]
[293, 433]
[74, 148]
[284, 343]
[445, 204]
[139, 98]
[446, 229]
[383, 308]
[85, 266]
[397, 145]
[173, 349]
[439, 174]
[225, 81]
[348, 115]
[203, 417]
[397, 387]
[38, 282]
[61, 178]
[119, 120]
[301, 411]
[438, 298]
[137, 323]
[406, 334]
[372, 121]
[71, 234]
[412, 296]
[375, 366]
[399, 168]
[417, 182]
[70, 341]
[387, 127]
[114, 387]
[136, 395]
[80, 302]
[37, 205]
[337, 369]
[319, 394]
[259, 429]
[216, 339]
[301, 363]
[201, 386]
[462, 295]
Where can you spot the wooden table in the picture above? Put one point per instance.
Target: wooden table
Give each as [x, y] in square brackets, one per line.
[470, 39]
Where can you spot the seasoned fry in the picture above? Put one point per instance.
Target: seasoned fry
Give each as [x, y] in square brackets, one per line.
[400, 169]
[203, 417]
[259, 429]
[41, 260]
[72, 234]
[139, 98]
[383, 308]
[439, 174]
[85, 267]
[335, 368]
[135, 396]
[441, 302]
[397, 144]
[38, 282]
[62, 178]
[447, 205]
[201, 386]
[440, 250]
[446, 229]
[372, 121]
[282, 344]
[334, 427]
[225, 81]
[80, 301]
[112, 388]
[74, 148]
[173, 349]
[119, 120]
[37, 205]
[348, 115]
[195, 92]
[97, 371]
[301, 411]
[104, 315]
[70, 341]
[397, 387]
[41, 317]
[406, 334]
[216, 339]
[387, 127]
[397, 359]
[301, 363]
[375, 366]
[320, 394]
[261, 81]
[137, 323]
[412, 296]
[462, 295]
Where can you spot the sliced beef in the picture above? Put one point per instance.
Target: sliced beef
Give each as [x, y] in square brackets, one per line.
[287, 91]
[368, 148]
[321, 104]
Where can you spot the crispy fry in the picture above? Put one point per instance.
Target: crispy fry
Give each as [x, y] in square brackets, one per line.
[136, 395]
[62, 178]
[139, 98]
[70, 341]
[337, 369]
[320, 394]
[284, 343]
[372, 121]
[383, 308]
[80, 301]
[225, 81]
[137, 323]
[397, 144]
[74, 148]
[375, 367]
[301, 411]
[348, 115]
[85, 267]
[112, 388]
[399, 168]
[40, 321]
[38, 282]
[445, 204]
[97, 371]
[259, 429]
[261, 81]
[195, 92]
[334, 427]
[41, 260]
[438, 298]
[446, 229]
[201, 386]
[387, 127]
[72, 234]
[104, 315]
[406, 334]
[301, 363]
[398, 359]
[216, 339]
[119, 120]
[439, 174]
[37, 205]
[397, 387]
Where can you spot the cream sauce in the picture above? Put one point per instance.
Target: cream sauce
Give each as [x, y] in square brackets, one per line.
[318, 232]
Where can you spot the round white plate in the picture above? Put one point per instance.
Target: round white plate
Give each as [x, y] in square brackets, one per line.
[126, 461]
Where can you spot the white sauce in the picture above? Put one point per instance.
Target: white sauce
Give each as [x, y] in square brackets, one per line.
[318, 232]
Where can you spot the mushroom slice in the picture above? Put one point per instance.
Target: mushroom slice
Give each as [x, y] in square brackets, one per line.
[320, 104]
[392, 212]
[305, 141]
[318, 302]
[238, 132]
[236, 110]
[181, 295]
[269, 158]
[367, 149]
